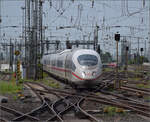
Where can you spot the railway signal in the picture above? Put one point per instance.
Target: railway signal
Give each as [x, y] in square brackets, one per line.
[117, 83]
[141, 51]
[141, 58]
[98, 49]
[68, 45]
[117, 37]
[141, 55]
[17, 52]
[126, 67]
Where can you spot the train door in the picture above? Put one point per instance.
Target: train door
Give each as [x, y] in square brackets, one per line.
[67, 67]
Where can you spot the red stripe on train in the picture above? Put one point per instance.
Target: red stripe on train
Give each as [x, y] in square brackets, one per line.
[64, 70]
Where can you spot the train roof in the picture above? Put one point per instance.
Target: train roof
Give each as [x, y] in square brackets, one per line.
[67, 51]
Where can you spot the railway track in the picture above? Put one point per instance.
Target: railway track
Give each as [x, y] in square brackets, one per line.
[17, 113]
[65, 104]
[3, 120]
[56, 109]
[72, 100]
[134, 89]
[5, 76]
[113, 102]
[118, 101]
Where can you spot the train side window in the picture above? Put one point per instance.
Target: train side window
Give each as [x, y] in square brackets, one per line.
[67, 64]
[53, 63]
[44, 61]
[59, 63]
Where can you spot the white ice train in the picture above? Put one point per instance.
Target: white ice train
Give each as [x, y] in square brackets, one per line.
[79, 67]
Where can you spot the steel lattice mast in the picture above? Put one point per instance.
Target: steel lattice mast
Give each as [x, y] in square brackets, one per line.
[149, 34]
[33, 27]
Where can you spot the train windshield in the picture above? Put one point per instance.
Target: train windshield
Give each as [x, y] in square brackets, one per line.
[87, 60]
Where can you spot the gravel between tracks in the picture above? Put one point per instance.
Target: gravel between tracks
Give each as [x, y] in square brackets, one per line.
[26, 105]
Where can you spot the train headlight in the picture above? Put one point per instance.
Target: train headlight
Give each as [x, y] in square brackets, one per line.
[83, 74]
[94, 73]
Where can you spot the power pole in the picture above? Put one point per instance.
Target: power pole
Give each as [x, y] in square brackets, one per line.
[0, 29]
[126, 67]
[11, 51]
[0, 20]
[149, 34]
[145, 49]
[138, 53]
[33, 36]
[96, 37]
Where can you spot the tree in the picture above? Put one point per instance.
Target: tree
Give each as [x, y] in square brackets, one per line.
[105, 57]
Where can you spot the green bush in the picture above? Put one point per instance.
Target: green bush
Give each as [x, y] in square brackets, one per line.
[9, 87]
[142, 86]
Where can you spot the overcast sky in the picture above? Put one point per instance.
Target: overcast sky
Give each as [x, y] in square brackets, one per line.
[132, 15]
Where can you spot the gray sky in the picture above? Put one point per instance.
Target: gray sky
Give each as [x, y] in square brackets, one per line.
[130, 14]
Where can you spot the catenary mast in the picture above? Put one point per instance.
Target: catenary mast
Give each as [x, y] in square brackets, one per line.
[149, 34]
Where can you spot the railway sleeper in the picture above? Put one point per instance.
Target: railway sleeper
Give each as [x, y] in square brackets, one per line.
[40, 110]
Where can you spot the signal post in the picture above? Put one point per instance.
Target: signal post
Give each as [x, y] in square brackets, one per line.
[126, 67]
[117, 83]
[17, 68]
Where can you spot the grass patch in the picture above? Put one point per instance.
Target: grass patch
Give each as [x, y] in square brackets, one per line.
[15, 97]
[9, 87]
[25, 80]
[134, 79]
[110, 110]
[50, 83]
[54, 85]
[107, 69]
[147, 98]
[143, 86]
[45, 75]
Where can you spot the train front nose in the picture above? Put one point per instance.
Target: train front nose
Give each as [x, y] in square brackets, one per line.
[88, 74]
[88, 68]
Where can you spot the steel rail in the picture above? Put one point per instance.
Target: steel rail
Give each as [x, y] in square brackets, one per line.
[55, 114]
[146, 90]
[134, 90]
[39, 110]
[52, 106]
[106, 101]
[45, 102]
[31, 113]
[3, 120]
[75, 105]
[17, 113]
[121, 105]
[132, 101]
[62, 112]
[84, 112]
